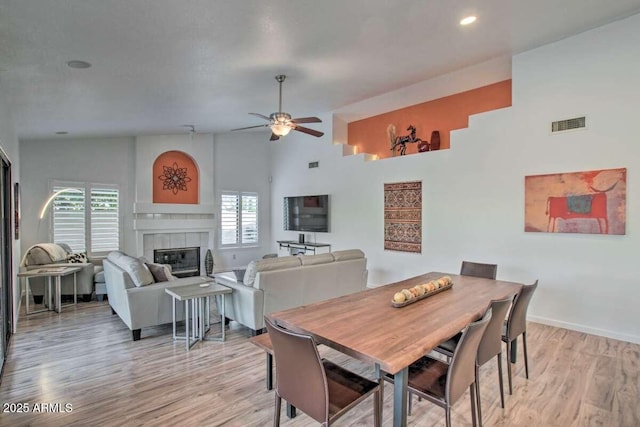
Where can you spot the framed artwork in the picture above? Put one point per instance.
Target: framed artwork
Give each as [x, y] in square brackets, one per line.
[16, 209]
[403, 216]
[590, 202]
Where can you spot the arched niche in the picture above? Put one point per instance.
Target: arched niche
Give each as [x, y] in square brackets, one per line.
[176, 179]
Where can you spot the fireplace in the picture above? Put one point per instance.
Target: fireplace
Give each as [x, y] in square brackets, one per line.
[184, 262]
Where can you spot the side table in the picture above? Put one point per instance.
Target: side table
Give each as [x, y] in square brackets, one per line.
[198, 297]
[50, 273]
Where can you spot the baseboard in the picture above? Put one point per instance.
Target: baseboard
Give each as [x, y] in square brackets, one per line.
[586, 329]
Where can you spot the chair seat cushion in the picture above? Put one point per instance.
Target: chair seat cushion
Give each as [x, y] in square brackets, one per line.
[345, 387]
[429, 376]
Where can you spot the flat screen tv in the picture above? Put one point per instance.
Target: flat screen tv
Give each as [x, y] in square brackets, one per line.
[306, 213]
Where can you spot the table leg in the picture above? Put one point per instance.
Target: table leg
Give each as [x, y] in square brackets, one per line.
[400, 382]
[201, 304]
[75, 288]
[222, 318]
[291, 410]
[58, 296]
[186, 323]
[173, 315]
[27, 287]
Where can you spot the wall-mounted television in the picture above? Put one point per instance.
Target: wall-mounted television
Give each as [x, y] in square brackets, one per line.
[306, 213]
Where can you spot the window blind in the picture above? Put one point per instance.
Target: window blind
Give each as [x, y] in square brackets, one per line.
[69, 218]
[238, 219]
[105, 224]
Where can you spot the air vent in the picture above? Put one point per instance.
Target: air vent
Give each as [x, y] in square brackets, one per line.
[313, 165]
[569, 124]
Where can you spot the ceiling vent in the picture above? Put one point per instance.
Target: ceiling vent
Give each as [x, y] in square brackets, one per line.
[569, 124]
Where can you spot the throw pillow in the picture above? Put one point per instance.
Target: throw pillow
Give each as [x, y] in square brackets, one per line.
[77, 258]
[160, 272]
[250, 274]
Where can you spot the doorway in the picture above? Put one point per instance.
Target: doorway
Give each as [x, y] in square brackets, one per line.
[6, 257]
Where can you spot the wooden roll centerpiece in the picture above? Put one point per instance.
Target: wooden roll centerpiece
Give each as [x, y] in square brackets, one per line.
[418, 292]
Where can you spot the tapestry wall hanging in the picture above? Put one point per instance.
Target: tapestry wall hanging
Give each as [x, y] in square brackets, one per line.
[591, 202]
[403, 216]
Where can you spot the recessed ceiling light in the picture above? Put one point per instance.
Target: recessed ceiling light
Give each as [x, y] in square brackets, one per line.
[62, 132]
[468, 20]
[78, 64]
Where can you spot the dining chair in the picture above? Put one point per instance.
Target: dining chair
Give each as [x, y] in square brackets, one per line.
[316, 386]
[516, 325]
[443, 384]
[490, 346]
[476, 269]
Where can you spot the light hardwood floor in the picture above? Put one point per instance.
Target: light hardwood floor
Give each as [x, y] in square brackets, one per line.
[85, 357]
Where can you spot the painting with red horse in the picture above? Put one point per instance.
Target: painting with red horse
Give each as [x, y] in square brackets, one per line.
[591, 202]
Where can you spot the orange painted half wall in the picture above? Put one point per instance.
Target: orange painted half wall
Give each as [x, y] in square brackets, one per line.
[443, 114]
[175, 178]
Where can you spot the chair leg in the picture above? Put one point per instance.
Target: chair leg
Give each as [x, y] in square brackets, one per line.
[509, 367]
[500, 379]
[524, 350]
[409, 403]
[379, 374]
[377, 409]
[478, 395]
[447, 415]
[472, 395]
[276, 413]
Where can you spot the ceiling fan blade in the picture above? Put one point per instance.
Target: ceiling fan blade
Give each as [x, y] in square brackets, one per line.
[262, 116]
[251, 127]
[307, 120]
[274, 137]
[308, 131]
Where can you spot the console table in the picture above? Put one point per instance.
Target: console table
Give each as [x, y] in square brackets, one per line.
[294, 247]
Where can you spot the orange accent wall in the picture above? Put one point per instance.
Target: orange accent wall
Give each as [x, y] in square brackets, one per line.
[184, 188]
[443, 115]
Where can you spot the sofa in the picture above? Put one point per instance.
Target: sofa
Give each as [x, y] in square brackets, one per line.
[49, 254]
[276, 284]
[136, 291]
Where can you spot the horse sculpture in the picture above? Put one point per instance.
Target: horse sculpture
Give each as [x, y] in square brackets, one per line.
[402, 141]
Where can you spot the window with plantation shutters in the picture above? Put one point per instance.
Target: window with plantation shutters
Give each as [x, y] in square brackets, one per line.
[238, 219]
[86, 217]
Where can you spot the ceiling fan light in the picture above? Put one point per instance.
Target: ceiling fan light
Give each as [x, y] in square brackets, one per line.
[280, 129]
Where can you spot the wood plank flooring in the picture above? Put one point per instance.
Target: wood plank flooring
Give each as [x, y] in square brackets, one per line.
[85, 357]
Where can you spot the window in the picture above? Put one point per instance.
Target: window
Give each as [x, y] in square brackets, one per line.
[90, 224]
[238, 219]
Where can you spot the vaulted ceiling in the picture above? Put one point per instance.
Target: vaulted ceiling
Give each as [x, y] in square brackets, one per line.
[161, 64]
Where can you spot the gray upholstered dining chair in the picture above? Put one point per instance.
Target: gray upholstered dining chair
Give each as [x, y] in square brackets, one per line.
[442, 383]
[490, 347]
[476, 269]
[318, 387]
[516, 325]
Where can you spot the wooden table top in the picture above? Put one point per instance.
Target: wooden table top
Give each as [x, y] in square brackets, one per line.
[367, 327]
[196, 291]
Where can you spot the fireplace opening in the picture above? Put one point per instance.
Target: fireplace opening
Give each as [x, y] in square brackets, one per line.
[184, 262]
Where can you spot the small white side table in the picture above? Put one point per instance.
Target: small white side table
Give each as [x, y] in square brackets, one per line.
[198, 296]
[50, 273]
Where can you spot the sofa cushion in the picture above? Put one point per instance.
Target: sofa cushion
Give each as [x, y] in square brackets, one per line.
[98, 277]
[77, 258]
[268, 264]
[315, 259]
[347, 254]
[160, 272]
[137, 270]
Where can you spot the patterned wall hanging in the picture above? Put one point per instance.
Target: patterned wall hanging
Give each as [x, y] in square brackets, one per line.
[175, 178]
[403, 216]
[590, 202]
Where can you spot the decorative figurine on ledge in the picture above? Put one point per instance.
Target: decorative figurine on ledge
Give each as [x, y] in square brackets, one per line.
[402, 141]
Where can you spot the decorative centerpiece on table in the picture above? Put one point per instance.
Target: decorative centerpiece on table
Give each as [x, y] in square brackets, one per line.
[418, 292]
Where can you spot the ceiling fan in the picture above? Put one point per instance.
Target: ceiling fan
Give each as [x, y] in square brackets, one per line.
[281, 123]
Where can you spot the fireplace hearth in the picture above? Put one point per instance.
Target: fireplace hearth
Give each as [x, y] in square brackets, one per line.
[184, 262]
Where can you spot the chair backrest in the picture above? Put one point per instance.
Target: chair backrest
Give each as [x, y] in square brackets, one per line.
[476, 269]
[461, 372]
[300, 375]
[491, 343]
[517, 321]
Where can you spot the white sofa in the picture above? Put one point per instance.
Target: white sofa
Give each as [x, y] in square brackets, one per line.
[135, 296]
[276, 284]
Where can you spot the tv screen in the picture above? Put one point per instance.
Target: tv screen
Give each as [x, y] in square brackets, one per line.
[306, 213]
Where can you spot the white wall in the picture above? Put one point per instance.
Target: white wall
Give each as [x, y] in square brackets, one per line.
[473, 194]
[101, 160]
[242, 164]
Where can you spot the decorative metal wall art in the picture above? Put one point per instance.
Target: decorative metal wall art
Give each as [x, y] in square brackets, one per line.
[174, 178]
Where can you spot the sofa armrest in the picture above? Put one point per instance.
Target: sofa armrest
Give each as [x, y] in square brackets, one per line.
[245, 304]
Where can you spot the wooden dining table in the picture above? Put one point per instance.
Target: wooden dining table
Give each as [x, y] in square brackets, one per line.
[366, 326]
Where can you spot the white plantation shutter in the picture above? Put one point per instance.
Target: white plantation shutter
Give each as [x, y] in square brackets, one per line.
[238, 219]
[105, 224]
[87, 224]
[249, 219]
[69, 218]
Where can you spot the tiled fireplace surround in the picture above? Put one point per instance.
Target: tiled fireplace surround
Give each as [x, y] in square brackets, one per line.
[166, 225]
